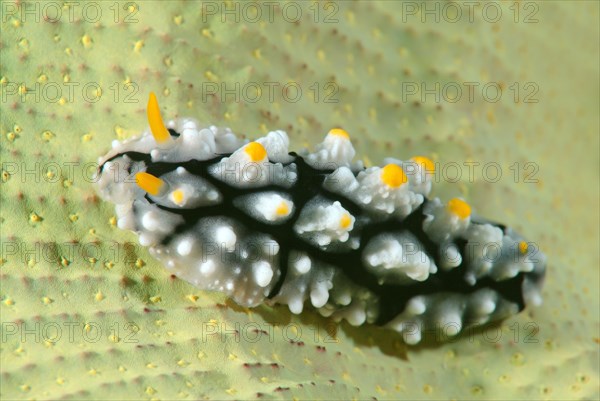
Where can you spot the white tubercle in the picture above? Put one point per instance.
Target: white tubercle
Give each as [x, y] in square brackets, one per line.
[484, 302]
[250, 167]
[302, 264]
[142, 144]
[263, 273]
[296, 305]
[184, 247]
[441, 224]
[335, 151]
[394, 258]
[273, 207]
[341, 181]
[319, 295]
[158, 221]
[207, 267]
[187, 191]
[192, 143]
[226, 238]
[450, 323]
[411, 333]
[277, 145]
[419, 172]
[267, 207]
[324, 223]
[384, 190]
[126, 218]
[111, 184]
[416, 306]
[450, 256]
[270, 247]
[247, 166]
[355, 314]
[484, 249]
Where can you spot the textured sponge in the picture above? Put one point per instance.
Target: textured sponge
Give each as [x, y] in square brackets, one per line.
[87, 314]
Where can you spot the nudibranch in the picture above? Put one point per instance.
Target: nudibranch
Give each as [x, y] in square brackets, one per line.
[262, 224]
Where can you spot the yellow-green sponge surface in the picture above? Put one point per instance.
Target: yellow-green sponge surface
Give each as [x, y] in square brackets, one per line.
[88, 314]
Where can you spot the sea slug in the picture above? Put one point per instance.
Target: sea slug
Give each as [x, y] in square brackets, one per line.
[263, 224]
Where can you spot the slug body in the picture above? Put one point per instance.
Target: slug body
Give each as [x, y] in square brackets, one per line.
[263, 224]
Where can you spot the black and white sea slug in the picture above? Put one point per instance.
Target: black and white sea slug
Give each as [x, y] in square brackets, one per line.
[263, 224]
